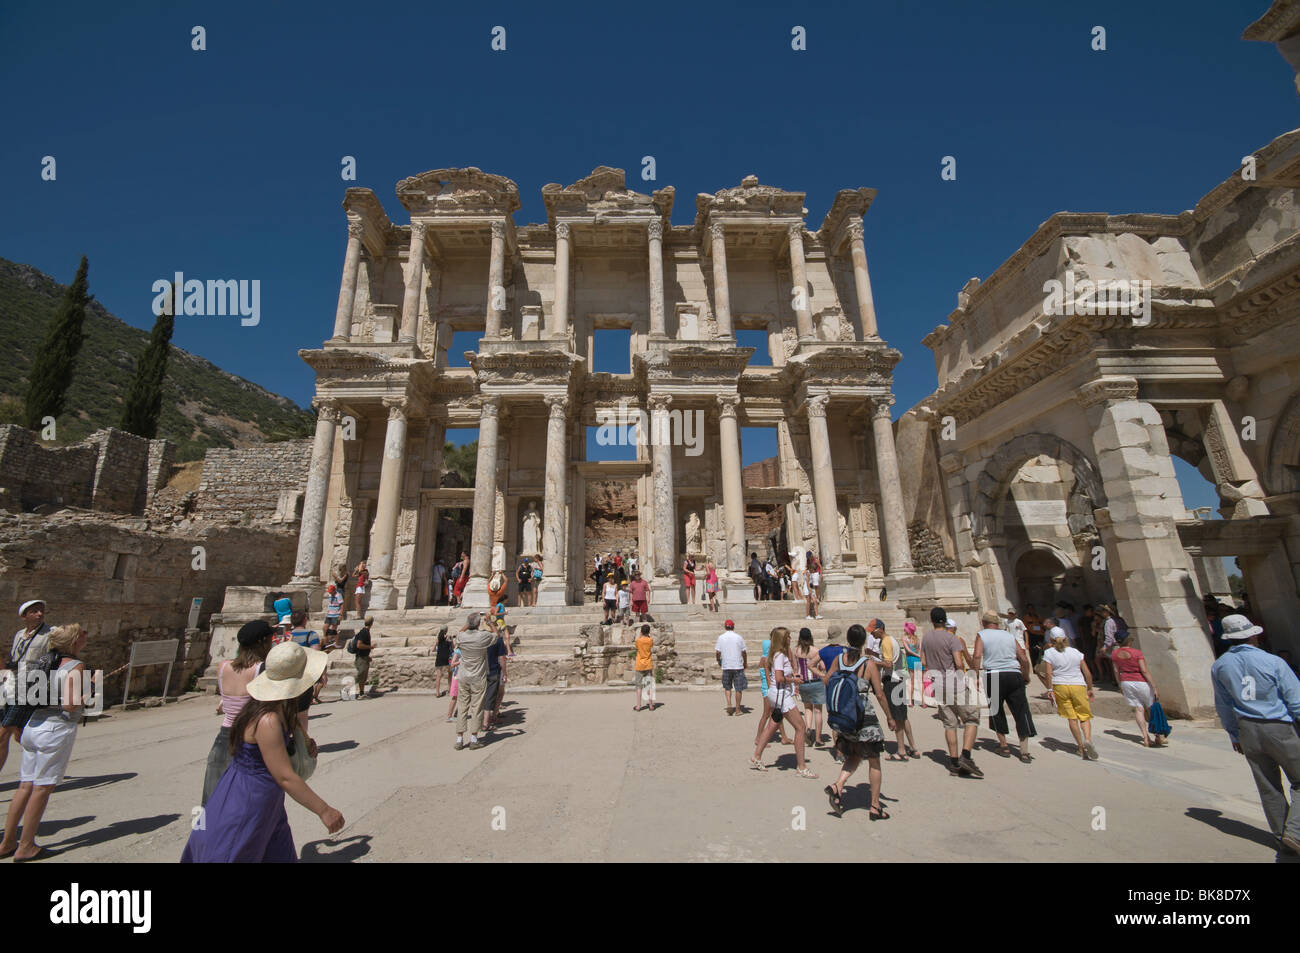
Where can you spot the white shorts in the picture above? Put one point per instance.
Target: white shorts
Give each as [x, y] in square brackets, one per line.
[47, 748]
[1137, 694]
[816, 580]
[788, 698]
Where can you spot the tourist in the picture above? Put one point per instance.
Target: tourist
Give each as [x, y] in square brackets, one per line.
[1087, 632]
[1006, 674]
[441, 662]
[1136, 686]
[1064, 613]
[803, 585]
[461, 570]
[333, 613]
[688, 578]
[811, 675]
[361, 646]
[946, 660]
[439, 579]
[1037, 632]
[341, 578]
[30, 643]
[47, 741]
[496, 682]
[868, 740]
[645, 669]
[875, 631]
[308, 639]
[473, 644]
[624, 604]
[1018, 631]
[454, 690]
[783, 698]
[815, 584]
[764, 682]
[611, 599]
[733, 659]
[245, 820]
[1258, 700]
[497, 586]
[711, 584]
[1069, 685]
[912, 646]
[499, 620]
[233, 677]
[363, 579]
[524, 582]
[537, 579]
[894, 679]
[639, 591]
[633, 564]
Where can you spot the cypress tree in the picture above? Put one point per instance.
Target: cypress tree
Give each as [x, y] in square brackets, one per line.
[51, 373]
[144, 399]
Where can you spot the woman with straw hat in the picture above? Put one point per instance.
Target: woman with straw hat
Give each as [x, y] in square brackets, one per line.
[245, 819]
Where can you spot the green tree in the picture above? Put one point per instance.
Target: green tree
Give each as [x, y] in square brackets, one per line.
[144, 398]
[462, 459]
[52, 369]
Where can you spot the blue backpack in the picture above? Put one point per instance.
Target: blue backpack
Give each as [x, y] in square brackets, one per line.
[843, 703]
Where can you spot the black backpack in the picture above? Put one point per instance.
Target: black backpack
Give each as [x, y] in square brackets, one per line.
[41, 668]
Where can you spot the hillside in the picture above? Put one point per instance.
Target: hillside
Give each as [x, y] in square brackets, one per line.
[203, 406]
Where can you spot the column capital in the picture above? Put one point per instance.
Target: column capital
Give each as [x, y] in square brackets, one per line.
[397, 407]
[854, 230]
[1106, 389]
[491, 405]
[716, 232]
[794, 231]
[498, 230]
[655, 230]
[356, 228]
[562, 231]
[328, 409]
[881, 406]
[727, 404]
[558, 405]
[816, 404]
[418, 230]
[658, 402]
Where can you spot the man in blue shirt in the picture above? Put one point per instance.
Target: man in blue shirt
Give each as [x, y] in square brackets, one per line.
[1257, 697]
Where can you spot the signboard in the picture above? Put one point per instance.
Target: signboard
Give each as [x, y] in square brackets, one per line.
[151, 653]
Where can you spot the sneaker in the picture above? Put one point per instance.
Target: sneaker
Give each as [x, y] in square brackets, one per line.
[460, 745]
[955, 768]
[968, 765]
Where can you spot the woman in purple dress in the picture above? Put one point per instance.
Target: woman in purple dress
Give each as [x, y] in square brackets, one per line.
[245, 820]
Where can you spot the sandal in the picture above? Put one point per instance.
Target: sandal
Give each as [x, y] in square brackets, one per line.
[894, 757]
[757, 765]
[9, 853]
[878, 814]
[807, 773]
[913, 753]
[837, 802]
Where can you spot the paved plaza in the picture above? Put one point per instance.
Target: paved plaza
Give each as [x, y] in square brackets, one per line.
[581, 777]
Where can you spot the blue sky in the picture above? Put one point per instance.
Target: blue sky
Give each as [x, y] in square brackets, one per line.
[225, 163]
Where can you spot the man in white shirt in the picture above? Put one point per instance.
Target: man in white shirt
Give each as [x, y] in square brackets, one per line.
[1017, 629]
[733, 659]
[1066, 623]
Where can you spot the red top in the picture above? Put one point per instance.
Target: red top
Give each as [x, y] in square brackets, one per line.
[638, 589]
[1128, 669]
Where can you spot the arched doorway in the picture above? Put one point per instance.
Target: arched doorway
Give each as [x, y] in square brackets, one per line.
[1040, 577]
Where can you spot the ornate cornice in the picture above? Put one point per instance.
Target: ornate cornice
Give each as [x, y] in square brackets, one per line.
[1106, 389]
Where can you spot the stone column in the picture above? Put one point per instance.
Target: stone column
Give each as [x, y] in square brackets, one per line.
[558, 327]
[348, 288]
[306, 567]
[891, 489]
[554, 522]
[733, 492]
[1149, 570]
[862, 283]
[496, 282]
[485, 503]
[828, 525]
[414, 283]
[799, 279]
[665, 508]
[383, 534]
[721, 291]
[656, 234]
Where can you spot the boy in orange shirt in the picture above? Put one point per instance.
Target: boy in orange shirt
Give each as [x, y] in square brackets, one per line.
[645, 674]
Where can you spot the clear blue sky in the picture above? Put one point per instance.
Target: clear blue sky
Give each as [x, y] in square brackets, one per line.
[225, 163]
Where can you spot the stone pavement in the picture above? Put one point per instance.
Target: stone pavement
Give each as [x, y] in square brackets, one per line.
[580, 776]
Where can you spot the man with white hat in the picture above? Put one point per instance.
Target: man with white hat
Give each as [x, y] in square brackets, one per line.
[1258, 700]
[30, 643]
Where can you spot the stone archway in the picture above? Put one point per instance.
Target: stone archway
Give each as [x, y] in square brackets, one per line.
[1040, 575]
[1086, 496]
[1283, 474]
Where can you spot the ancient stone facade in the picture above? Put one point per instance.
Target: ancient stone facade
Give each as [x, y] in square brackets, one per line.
[110, 470]
[606, 257]
[262, 485]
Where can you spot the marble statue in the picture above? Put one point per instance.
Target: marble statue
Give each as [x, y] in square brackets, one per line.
[694, 541]
[532, 532]
[845, 545]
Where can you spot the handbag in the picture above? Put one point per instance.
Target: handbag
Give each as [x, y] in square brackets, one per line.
[777, 713]
[304, 764]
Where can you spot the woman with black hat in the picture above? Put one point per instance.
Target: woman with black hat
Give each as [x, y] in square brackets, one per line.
[232, 684]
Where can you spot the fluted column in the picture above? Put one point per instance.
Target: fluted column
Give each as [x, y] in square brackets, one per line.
[891, 489]
[828, 524]
[665, 505]
[733, 493]
[799, 279]
[348, 287]
[656, 235]
[721, 291]
[862, 282]
[555, 527]
[383, 534]
[558, 326]
[306, 566]
[485, 502]
[414, 282]
[496, 282]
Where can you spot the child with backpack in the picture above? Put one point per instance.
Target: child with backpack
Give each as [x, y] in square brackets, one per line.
[853, 677]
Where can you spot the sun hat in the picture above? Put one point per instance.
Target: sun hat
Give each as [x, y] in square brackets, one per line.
[909, 627]
[251, 633]
[22, 609]
[289, 671]
[728, 624]
[1238, 627]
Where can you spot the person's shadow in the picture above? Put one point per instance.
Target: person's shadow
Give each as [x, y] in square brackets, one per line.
[1233, 828]
[72, 783]
[1116, 733]
[1053, 744]
[101, 835]
[326, 851]
[336, 746]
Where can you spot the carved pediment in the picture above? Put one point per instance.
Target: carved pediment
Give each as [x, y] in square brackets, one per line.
[603, 192]
[749, 198]
[460, 191]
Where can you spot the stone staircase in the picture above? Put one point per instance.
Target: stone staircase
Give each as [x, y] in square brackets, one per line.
[565, 645]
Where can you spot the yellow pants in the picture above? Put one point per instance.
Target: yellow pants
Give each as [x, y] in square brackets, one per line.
[1072, 702]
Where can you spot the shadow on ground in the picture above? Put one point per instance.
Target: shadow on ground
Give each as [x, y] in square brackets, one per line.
[72, 784]
[329, 851]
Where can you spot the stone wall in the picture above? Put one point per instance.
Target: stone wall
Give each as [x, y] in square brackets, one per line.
[258, 484]
[127, 581]
[111, 471]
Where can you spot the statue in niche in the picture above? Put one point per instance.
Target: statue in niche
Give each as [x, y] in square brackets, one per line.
[845, 546]
[498, 557]
[532, 532]
[694, 541]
